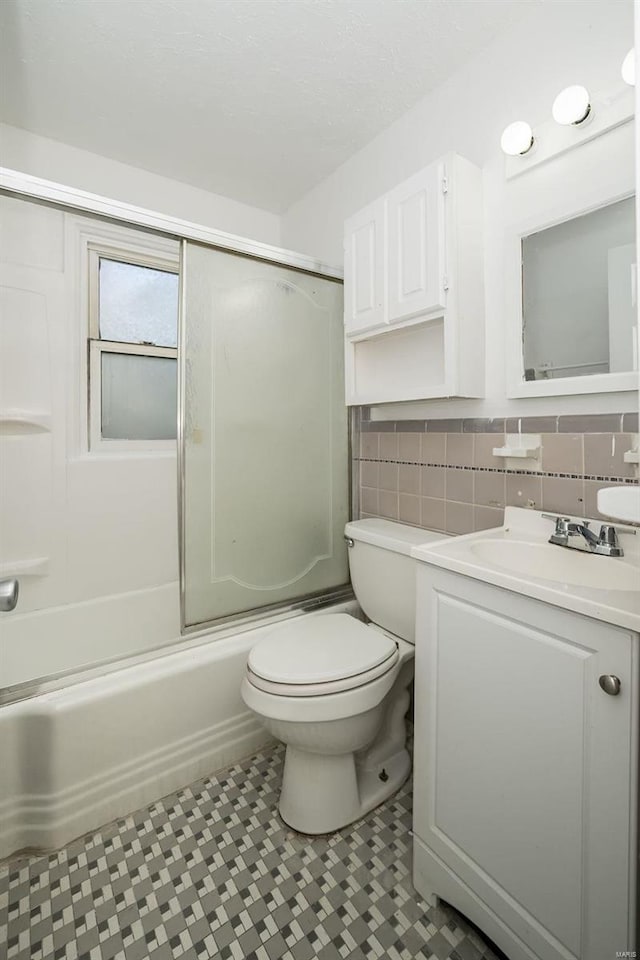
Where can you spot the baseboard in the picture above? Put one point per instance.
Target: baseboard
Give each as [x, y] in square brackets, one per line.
[50, 819]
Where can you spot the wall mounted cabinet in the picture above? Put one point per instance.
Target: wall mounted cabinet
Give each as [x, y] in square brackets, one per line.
[414, 296]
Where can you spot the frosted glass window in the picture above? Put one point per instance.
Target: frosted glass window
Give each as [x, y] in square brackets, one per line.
[133, 350]
[138, 397]
[138, 304]
[266, 486]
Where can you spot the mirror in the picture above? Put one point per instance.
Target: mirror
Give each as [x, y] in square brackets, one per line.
[579, 297]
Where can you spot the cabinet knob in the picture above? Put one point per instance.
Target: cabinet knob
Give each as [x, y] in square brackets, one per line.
[610, 684]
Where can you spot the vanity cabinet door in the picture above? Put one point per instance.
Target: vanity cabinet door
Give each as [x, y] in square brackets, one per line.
[365, 285]
[524, 769]
[416, 245]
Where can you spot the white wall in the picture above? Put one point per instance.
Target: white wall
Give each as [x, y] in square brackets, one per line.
[52, 160]
[516, 77]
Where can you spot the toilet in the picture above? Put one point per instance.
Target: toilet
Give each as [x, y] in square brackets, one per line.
[335, 690]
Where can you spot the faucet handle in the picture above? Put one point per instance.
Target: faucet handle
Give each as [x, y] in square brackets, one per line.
[608, 534]
[608, 543]
[619, 528]
[562, 531]
[562, 523]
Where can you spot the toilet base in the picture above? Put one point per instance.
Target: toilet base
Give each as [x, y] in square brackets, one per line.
[321, 794]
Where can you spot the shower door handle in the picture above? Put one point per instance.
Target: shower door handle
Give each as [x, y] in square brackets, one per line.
[9, 590]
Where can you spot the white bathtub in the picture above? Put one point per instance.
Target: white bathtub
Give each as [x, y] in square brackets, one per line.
[77, 758]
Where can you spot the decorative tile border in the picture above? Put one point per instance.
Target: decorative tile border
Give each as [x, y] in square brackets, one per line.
[526, 473]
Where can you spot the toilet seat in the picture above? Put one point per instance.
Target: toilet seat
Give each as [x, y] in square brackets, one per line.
[322, 689]
[320, 656]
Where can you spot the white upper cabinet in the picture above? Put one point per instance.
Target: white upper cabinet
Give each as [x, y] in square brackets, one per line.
[414, 293]
[365, 291]
[417, 281]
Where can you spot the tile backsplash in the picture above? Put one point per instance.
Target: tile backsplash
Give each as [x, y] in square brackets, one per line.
[442, 474]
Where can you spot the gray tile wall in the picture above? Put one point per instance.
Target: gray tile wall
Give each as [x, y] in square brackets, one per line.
[442, 475]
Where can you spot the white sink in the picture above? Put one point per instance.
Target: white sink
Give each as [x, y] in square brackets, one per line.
[519, 557]
[546, 561]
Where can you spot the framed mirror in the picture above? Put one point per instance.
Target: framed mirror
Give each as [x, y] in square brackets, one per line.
[576, 306]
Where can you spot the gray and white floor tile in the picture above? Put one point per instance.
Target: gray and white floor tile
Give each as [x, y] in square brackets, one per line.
[212, 872]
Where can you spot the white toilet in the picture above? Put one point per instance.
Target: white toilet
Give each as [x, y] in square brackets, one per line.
[335, 690]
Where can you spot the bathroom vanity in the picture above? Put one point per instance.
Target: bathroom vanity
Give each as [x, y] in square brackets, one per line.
[526, 738]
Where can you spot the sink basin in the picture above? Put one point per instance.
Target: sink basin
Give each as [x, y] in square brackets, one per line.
[518, 557]
[545, 561]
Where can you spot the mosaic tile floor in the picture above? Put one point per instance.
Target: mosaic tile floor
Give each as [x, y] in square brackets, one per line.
[211, 872]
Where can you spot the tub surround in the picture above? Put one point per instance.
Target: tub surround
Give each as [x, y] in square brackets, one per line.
[443, 474]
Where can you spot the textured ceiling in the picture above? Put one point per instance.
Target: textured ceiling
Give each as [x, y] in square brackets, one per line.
[258, 100]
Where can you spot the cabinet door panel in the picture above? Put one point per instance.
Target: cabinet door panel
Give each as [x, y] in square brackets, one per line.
[522, 762]
[365, 269]
[416, 245]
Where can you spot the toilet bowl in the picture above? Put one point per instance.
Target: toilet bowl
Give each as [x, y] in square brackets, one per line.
[335, 690]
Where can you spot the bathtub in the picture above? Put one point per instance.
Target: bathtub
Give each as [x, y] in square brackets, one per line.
[76, 758]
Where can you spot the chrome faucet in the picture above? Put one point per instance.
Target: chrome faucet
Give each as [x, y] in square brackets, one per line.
[606, 544]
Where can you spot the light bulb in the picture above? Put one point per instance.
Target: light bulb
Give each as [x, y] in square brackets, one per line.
[517, 139]
[629, 68]
[571, 106]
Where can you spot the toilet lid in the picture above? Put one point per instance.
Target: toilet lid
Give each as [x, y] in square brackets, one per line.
[320, 649]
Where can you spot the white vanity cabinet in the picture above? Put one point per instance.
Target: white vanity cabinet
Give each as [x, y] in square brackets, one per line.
[525, 795]
[413, 289]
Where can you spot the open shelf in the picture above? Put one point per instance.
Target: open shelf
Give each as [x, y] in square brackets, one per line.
[404, 364]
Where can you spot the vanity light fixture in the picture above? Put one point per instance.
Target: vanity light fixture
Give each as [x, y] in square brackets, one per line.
[571, 106]
[517, 139]
[629, 68]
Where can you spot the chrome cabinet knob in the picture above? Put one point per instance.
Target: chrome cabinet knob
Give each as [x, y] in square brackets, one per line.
[610, 684]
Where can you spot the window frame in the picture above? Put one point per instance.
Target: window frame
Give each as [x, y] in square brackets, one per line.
[96, 346]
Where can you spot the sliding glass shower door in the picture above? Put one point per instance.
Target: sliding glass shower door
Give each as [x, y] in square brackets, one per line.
[265, 492]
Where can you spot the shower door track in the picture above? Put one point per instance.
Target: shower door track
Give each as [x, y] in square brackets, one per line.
[22, 184]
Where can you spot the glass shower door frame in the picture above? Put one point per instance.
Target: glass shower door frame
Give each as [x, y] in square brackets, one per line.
[69, 199]
[278, 610]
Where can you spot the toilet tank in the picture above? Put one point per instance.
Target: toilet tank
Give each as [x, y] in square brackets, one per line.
[383, 573]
